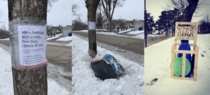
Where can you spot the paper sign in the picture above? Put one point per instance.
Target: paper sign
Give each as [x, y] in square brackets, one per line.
[92, 25]
[32, 45]
[186, 32]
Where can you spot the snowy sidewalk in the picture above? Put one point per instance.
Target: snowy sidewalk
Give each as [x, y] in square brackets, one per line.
[84, 80]
[157, 65]
[6, 81]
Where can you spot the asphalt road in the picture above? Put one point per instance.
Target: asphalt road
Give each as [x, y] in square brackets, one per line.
[57, 55]
[130, 44]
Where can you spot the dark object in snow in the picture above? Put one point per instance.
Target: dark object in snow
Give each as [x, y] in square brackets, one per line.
[107, 68]
[152, 82]
[70, 34]
[115, 65]
[204, 51]
[103, 70]
[202, 55]
[155, 80]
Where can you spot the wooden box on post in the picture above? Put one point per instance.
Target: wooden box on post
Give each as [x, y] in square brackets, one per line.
[187, 32]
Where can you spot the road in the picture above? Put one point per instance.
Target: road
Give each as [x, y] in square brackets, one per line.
[130, 44]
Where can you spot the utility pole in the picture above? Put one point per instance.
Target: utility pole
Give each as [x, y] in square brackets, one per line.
[92, 6]
[145, 24]
[27, 31]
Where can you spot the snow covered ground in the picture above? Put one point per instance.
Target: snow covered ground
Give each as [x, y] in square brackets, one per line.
[5, 39]
[6, 81]
[136, 32]
[67, 38]
[56, 36]
[128, 30]
[84, 80]
[157, 65]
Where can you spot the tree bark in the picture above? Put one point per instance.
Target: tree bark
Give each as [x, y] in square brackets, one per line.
[30, 82]
[188, 12]
[92, 6]
[26, 12]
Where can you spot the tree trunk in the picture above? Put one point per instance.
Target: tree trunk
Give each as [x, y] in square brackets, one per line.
[26, 12]
[188, 12]
[145, 25]
[30, 82]
[110, 21]
[92, 6]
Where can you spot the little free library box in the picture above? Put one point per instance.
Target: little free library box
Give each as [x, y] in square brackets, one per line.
[185, 32]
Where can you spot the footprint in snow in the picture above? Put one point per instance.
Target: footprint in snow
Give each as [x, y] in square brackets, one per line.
[152, 81]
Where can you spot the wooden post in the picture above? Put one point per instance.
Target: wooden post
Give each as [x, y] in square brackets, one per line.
[196, 64]
[183, 65]
[27, 80]
[172, 62]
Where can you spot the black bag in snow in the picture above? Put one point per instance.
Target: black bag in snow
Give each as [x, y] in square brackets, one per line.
[103, 70]
[107, 68]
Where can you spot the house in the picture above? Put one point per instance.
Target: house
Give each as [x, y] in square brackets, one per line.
[66, 30]
[138, 24]
[129, 24]
[52, 30]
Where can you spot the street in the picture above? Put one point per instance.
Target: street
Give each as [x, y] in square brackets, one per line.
[130, 44]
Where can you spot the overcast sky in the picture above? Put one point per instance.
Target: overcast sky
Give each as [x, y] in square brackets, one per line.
[155, 7]
[132, 9]
[60, 13]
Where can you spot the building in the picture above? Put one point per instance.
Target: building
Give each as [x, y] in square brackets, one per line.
[66, 30]
[129, 24]
[138, 24]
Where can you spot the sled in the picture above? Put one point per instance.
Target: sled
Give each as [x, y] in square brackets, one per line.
[185, 33]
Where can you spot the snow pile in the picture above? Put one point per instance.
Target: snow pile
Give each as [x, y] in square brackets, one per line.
[67, 38]
[141, 36]
[60, 44]
[6, 81]
[5, 39]
[84, 80]
[106, 33]
[136, 32]
[157, 65]
[56, 36]
[83, 31]
[128, 30]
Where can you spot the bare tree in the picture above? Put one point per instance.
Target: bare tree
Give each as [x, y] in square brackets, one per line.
[99, 20]
[109, 7]
[181, 5]
[92, 7]
[74, 8]
[27, 81]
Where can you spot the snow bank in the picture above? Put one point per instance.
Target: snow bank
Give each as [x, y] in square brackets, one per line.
[136, 32]
[157, 65]
[56, 36]
[128, 30]
[6, 80]
[59, 44]
[141, 36]
[65, 39]
[5, 39]
[84, 80]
